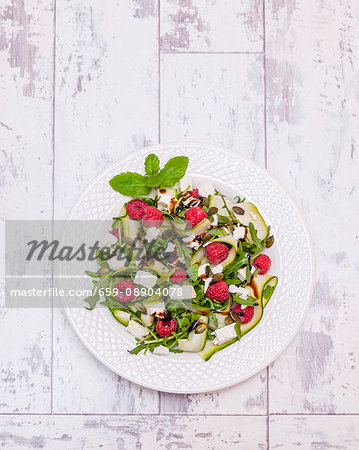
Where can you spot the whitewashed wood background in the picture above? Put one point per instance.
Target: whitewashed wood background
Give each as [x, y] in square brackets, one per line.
[83, 82]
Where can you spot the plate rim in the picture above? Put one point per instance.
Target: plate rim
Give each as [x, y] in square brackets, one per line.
[280, 350]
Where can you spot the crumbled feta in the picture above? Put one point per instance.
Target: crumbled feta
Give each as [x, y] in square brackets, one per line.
[170, 247]
[164, 200]
[232, 288]
[239, 232]
[243, 306]
[253, 269]
[215, 220]
[242, 292]
[116, 264]
[195, 245]
[242, 273]
[186, 182]
[136, 329]
[224, 334]
[217, 269]
[202, 269]
[207, 282]
[205, 189]
[156, 308]
[161, 350]
[145, 279]
[152, 233]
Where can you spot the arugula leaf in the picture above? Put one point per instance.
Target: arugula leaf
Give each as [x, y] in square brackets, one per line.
[194, 272]
[217, 232]
[152, 164]
[130, 183]
[214, 318]
[175, 350]
[250, 301]
[173, 170]
[237, 329]
[256, 241]
[185, 320]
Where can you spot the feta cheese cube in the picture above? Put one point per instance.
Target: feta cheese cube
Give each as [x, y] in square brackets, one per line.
[164, 200]
[136, 329]
[215, 220]
[239, 232]
[202, 270]
[185, 182]
[156, 308]
[217, 269]
[253, 269]
[145, 279]
[170, 247]
[206, 188]
[152, 233]
[242, 273]
[161, 350]
[242, 292]
[224, 334]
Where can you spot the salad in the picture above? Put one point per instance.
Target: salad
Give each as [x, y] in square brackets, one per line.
[187, 269]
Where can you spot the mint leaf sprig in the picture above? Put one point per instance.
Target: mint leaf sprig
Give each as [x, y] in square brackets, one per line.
[134, 184]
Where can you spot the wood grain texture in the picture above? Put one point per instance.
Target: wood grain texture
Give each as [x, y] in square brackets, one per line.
[106, 107]
[133, 432]
[214, 98]
[312, 128]
[202, 26]
[314, 432]
[26, 56]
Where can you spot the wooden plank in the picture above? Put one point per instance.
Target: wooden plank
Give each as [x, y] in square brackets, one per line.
[314, 432]
[129, 432]
[218, 99]
[106, 108]
[203, 26]
[26, 55]
[312, 127]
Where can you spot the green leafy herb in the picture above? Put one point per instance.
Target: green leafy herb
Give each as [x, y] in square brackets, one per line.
[214, 318]
[130, 183]
[237, 329]
[194, 272]
[184, 321]
[152, 164]
[173, 170]
[217, 232]
[250, 301]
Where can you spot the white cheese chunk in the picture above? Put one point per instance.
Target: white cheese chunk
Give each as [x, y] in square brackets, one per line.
[224, 334]
[170, 247]
[185, 182]
[253, 269]
[185, 292]
[242, 274]
[116, 264]
[205, 189]
[239, 232]
[161, 350]
[136, 329]
[156, 308]
[202, 270]
[152, 233]
[217, 269]
[242, 292]
[207, 282]
[164, 200]
[146, 279]
[215, 220]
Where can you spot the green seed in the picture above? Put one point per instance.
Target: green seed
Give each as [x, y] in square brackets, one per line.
[102, 270]
[228, 320]
[212, 210]
[270, 241]
[206, 237]
[217, 277]
[200, 328]
[238, 210]
[205, 202]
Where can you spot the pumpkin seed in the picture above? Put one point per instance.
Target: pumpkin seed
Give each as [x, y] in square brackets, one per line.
[212, 210]
[228, 320]
[206, 237]
[102, 270]
[200, 328]
[208, 271]
[217, 277]
[238, 210]
[141, 307]
[235, 316]
[270, 241]
[205, 201]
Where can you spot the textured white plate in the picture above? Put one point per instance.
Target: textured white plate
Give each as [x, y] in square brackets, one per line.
[292, 262]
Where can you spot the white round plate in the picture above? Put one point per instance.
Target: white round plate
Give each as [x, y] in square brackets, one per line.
[292, 262]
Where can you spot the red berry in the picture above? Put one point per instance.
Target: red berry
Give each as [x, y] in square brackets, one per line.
[246, 314]
[216, 252]
[124, 291]
[136, 208]
[194, 193]
[218, 291]
[263, 263]
[152, 217]
[178, 277]
[166, 328]
[114, 232]
[194, 216]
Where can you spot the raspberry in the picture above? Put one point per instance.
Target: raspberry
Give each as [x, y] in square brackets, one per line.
[136, 208]
[152, 217]
[194, 216]
[166, 328]
[263, 263]
[114, 232]
[194, 193]
[178, 277]
[245, 315]
[124, 291]
[218, 291]
[216, 252]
